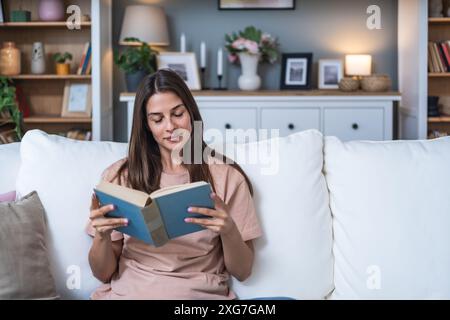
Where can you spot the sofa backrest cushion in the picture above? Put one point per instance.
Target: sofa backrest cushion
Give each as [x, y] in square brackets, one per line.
[294, 256]
[9, 166]
[391, 218]
[64, 173]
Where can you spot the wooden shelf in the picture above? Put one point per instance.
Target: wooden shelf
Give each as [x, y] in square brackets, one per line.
[443, 119]
[56, 120]
[439, 74]
[438, 20]
[50, 77]
[40, 24]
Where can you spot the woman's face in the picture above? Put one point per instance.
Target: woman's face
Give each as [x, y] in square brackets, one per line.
[166, 113]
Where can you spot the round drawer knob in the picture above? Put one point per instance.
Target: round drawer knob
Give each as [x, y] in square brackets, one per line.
[227, 126]
[291, 126]
[355, 126]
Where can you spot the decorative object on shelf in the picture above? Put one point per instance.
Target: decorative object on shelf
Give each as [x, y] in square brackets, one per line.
[85, 18]
[184, 64]
[183, 43]
[10, 60]
[256, 4]
[77, 101]
[249, 47]
[376, 83]
[296, 71]
[147, 23]
[19, 15]
[9, 107]
[348, 84]
[2, 12]
[444, 105]
[136, 62]
[51, 10]
[203, 65]
[220, 69]
[62, 66]
[433, 108]
[38, 58]
[330, 73]
[435, 8]
[358, 65]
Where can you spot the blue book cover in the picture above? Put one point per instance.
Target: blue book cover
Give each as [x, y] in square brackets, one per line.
[158, 217]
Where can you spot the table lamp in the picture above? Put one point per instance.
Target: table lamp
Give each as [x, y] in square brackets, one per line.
[147, 23]
[358, 65]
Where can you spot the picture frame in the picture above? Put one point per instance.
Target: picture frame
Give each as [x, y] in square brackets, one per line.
[296, 71]
[331, 72]
[77, 100]
[256, 4]
[184, 64]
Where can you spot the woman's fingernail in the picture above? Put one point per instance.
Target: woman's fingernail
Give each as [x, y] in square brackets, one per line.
[112, 207]
[125, 221]
[187, 220]
[189, 209]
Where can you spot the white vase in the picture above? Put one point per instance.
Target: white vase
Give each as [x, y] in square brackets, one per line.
[249, 79]
[38, 58]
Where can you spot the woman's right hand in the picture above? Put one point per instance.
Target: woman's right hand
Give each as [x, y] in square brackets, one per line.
[103, 225]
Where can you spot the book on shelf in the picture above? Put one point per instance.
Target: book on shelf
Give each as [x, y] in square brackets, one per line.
[157, 217]
[439, 56]
[84, 59]
[77, 134]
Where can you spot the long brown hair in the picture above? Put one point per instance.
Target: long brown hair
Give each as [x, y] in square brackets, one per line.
[144, 164]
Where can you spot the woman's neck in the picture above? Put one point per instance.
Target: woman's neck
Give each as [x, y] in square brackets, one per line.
[168, 165]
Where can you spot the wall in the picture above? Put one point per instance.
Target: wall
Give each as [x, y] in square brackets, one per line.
[327, 28]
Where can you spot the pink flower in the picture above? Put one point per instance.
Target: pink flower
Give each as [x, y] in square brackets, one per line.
[251, 46]
[232, 58]
[238, 44]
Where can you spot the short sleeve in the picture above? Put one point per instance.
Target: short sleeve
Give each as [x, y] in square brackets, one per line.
[241, 208]
[109, 174]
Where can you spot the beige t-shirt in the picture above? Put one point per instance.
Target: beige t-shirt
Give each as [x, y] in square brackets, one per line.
[187, 267]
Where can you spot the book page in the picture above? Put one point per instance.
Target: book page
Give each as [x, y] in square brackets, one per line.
[136, 197]
[173, 189]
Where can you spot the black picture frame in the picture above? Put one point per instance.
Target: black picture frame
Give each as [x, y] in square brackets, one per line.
[302, 79]
[291, 7]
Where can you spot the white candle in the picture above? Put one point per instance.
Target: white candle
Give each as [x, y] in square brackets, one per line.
[202, 55]
[183, 43]
[219, 62]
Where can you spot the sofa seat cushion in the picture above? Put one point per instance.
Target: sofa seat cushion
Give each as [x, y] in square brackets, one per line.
[390, 203]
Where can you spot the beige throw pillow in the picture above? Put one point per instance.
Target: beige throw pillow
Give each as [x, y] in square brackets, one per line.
[24, 262]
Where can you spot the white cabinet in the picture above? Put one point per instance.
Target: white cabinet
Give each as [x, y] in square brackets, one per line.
[361, 116]
[355, 123]
[290, 120]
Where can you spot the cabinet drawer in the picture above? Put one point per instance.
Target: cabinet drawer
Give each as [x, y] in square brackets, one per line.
[354, 123]
[290, 120]
[224, 119]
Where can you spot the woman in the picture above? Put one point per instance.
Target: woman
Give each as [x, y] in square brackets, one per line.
[194, 266]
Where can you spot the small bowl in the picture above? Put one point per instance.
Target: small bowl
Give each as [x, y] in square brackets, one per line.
[348, 84]
[376, 83]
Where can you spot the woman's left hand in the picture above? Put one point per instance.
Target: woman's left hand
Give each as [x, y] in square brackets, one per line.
[220, 220]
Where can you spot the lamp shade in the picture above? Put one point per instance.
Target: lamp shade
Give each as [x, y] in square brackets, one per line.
[147, 23]
[358, 64]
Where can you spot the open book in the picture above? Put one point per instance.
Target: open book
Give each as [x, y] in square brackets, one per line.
[157, 217]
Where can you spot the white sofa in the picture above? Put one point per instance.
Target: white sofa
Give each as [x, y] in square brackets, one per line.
[355, 220]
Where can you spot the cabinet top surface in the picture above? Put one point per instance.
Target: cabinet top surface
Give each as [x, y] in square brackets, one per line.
[315, 94]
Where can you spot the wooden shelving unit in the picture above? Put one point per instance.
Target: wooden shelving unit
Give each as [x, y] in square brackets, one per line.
[44, 93]
[439, 83]
[38, 24]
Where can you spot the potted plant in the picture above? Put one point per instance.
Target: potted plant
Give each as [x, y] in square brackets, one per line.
[249, 47]
[136, 62]
[62, 66]
[9, 109]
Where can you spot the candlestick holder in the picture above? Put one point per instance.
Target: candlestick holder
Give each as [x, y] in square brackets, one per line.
[219, 78]
[203, 70]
